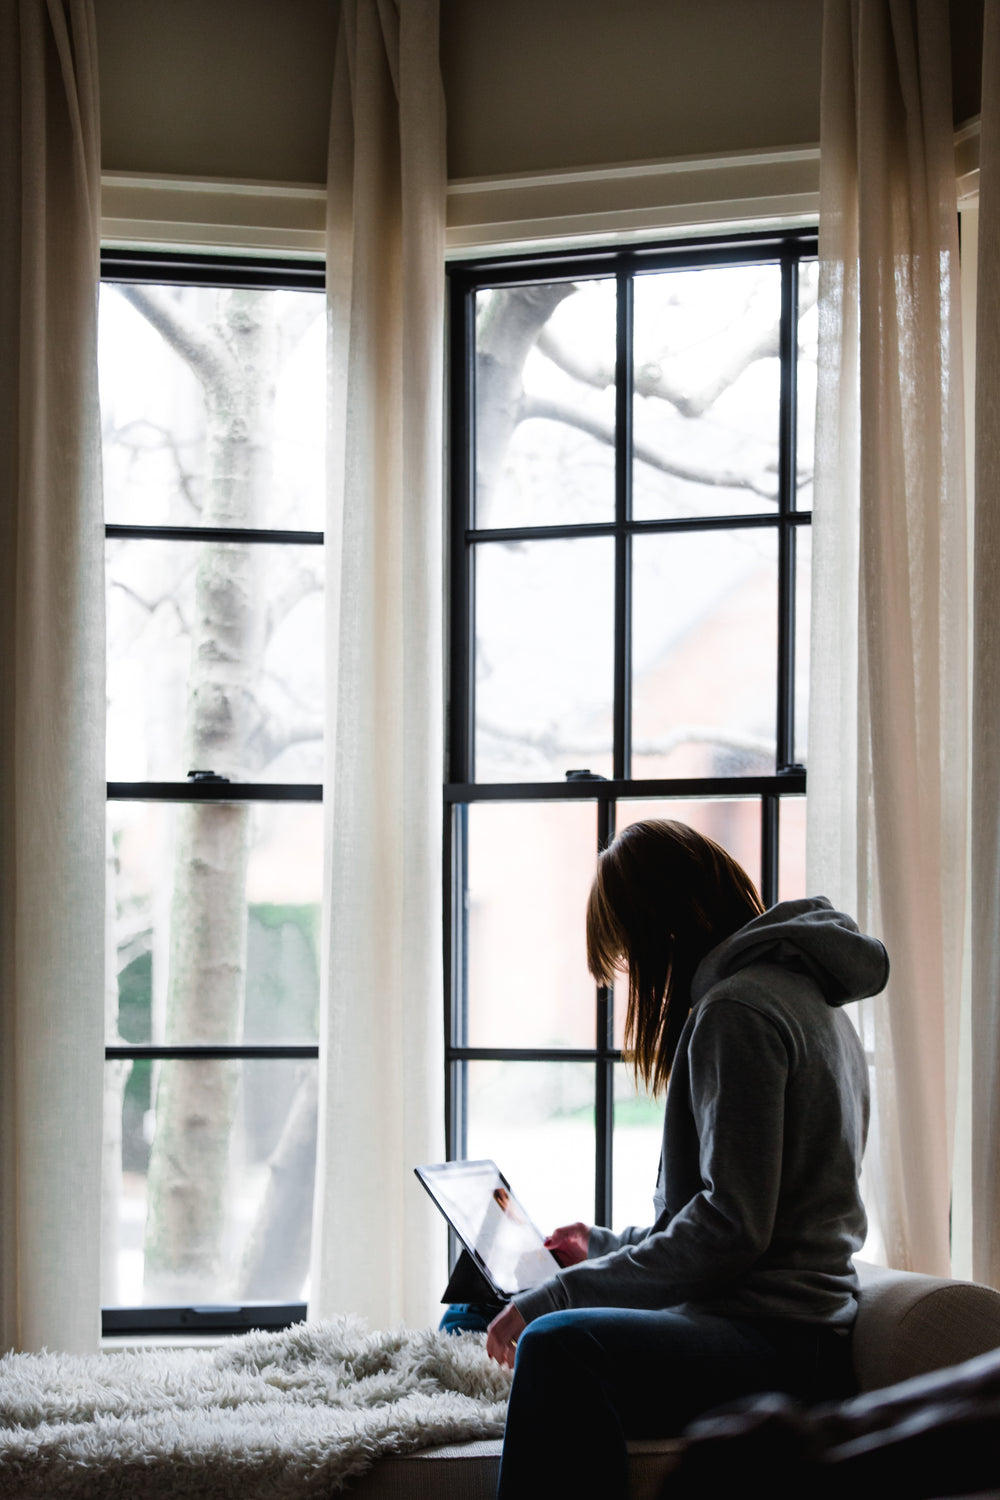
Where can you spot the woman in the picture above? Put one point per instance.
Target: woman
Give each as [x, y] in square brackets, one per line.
[745, 1280]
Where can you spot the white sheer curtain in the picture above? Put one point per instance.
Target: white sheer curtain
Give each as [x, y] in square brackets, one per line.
[888, 731]
[52, 691]
[986, 690]
[379, 1248]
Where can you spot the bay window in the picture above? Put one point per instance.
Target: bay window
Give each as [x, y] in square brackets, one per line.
[631, 439]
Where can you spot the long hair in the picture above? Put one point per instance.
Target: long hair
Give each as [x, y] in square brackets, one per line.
[663, 897]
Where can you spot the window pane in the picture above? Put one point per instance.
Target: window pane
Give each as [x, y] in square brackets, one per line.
[208, 1180]
[544, 659]
[704, 654]
[792, 850]
[536, 1121]
[803, 633]
[806, 378]
[215, 660]
[216, 911]
[733, 822]
[637, 1139]
[545, 404]
[530, 866]
[706, 391]
[213, 406]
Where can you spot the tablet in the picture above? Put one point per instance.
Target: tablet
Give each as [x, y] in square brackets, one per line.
[479, 1204]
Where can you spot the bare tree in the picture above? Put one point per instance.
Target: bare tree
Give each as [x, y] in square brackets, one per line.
[515, 323]
[228, 730]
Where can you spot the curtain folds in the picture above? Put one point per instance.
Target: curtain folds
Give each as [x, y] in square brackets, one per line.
[378, 1245]
[986, 690]
[888, 731]
[52, 695]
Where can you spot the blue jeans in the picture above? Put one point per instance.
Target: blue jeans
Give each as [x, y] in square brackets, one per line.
[588, 1379]
[472, 1317]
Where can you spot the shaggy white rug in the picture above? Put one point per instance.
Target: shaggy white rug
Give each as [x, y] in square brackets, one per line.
[269, 1416]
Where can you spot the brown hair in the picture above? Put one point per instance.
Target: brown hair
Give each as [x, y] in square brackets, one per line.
[663, 897]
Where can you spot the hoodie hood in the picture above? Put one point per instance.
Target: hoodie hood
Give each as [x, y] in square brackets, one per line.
[808, 936]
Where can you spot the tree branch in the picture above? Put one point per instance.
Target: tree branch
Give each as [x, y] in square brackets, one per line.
[298, 585]
[204, 353]
[553, 743]
[167, 442]
[273, 736]
[149, 605]
[507, 329]
[152, 605]
[650, 380]
[544, 409]
[593, 372]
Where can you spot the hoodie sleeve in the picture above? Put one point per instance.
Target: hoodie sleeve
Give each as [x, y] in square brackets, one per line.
[602, 1240]
[734, 1076]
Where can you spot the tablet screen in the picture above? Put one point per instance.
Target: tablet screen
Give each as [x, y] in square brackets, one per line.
[477, 1201]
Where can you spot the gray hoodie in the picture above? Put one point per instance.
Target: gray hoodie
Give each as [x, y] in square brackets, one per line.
[758, 1211]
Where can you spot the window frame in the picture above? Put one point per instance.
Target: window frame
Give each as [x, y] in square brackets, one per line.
[225, 269]
[786, 248]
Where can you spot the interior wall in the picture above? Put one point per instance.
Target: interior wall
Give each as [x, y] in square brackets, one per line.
[570, 83]
[216, 88]
[241, 88]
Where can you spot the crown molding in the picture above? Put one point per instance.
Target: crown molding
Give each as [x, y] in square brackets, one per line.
[514, 211]
[633, 200]
[164, 212]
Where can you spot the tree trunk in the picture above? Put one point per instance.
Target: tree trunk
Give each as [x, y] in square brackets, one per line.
[189, 1169]
[506, 333]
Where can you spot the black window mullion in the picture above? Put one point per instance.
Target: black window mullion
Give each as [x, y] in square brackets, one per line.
[457, 955]
[698, 788]
[604, 1107]
[214, 791]
[213, 269]
[521, 1054]
[209, 1051]
[604, 1130]
[622, 752]
[788, 347]
[462, 335]
[755, 520]
[769, 815]
[125, 531]
[461, 708]
[785, 740]
[555, 265]
[622, 744]
[457, 971]
[622, 755]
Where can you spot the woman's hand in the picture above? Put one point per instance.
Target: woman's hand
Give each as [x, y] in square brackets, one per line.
[569, 1244]
[503, 1334]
